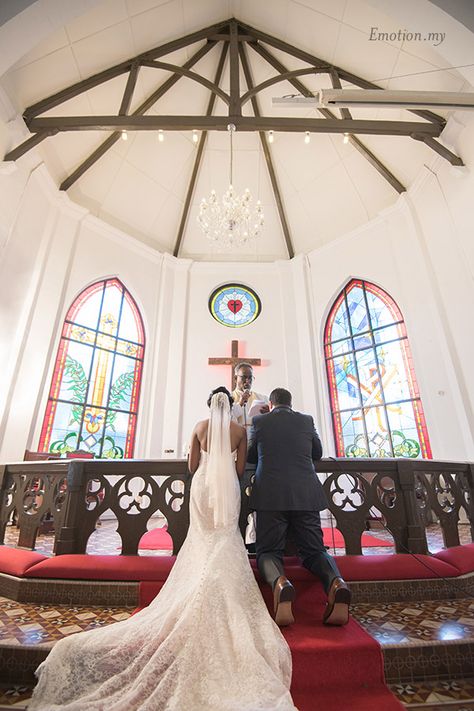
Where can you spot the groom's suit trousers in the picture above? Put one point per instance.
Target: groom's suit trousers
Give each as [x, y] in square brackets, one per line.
[304, 528]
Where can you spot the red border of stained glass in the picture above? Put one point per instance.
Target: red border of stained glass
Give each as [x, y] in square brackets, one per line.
[420, 421]
[58, 371]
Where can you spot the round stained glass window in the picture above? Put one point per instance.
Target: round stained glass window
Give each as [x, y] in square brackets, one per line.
[234, 305]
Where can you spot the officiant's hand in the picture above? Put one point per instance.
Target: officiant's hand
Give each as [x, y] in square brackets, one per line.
[244, 397]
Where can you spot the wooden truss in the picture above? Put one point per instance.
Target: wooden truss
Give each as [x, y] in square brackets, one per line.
[235, 38]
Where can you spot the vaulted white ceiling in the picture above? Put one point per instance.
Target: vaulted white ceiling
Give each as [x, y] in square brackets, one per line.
[328, 188]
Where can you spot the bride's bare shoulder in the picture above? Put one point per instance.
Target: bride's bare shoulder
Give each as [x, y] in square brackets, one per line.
[201, 426]
[236, 428]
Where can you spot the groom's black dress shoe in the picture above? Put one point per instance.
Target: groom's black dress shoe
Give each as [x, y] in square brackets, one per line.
[337, 609]
[283, 596]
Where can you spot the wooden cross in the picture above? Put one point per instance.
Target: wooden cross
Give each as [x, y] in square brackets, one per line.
[233, 361]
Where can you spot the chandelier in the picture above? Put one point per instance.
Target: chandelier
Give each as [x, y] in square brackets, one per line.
[231, 221]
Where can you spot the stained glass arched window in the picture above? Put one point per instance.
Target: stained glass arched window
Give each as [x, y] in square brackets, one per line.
[375, 402]
[93, 399]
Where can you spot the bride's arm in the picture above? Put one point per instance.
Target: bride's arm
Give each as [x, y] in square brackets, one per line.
[194, 452]
[241, 454]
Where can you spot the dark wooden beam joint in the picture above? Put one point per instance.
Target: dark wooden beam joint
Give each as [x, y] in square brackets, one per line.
[439, 148]
[147, 104]
[30, 143]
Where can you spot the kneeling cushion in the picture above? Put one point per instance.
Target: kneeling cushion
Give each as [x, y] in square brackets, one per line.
[393, 566]
[16, 561]
[462, 557]
[103, 567]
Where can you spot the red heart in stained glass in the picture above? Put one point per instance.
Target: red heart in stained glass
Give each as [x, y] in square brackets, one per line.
[234, 305]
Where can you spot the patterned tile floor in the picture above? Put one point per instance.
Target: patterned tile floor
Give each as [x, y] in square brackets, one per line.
[106, 541]
[457, 695]
[32, 624]
[395, 623]
[401, 623]
[392, 624]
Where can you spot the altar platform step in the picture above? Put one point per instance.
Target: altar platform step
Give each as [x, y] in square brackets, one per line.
[420, 641]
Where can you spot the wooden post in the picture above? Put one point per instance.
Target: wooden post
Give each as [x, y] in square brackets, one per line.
[67, 538]
[415, 533]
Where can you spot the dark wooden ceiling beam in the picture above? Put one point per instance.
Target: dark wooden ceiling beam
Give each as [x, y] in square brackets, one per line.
[268, 157]
[440, 149]
[286, 47]
[284, 76]
[115, 71]
[171, 81]
[225, 37]
[356, 142]
[235, 107]
[27, 145]
[243, 123]
[317, 61]
[129, 89]
[198, 158]
[144, 106]
[182, 71]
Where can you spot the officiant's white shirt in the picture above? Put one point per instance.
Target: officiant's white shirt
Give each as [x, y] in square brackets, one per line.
[240, 413]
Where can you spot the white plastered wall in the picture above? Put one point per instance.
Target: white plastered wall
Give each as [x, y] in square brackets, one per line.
[420, 251]
[52, 251]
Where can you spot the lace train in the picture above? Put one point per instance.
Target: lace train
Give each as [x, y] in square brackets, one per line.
[205, 643]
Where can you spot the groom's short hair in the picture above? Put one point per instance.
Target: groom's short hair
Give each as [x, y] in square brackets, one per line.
[280, 396]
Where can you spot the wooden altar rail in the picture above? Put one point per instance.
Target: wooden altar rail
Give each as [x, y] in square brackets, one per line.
[403, 493]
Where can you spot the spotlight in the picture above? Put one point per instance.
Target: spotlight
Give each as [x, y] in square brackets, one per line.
[124, 136]
[271, 137]
[161, 135]
[307, 137]
[346, 138]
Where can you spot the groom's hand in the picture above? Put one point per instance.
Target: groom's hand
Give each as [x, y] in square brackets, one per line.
[264, 409]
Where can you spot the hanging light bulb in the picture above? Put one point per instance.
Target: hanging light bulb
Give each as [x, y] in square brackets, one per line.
[161, 135]
[271, 137]
[195, 136]
[307, 137]
[124, 136]
[346, 138]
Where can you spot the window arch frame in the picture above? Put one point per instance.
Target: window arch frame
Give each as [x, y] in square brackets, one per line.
[68, 323]
[405, 349]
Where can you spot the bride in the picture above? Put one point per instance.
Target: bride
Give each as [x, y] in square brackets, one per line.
[207, 641]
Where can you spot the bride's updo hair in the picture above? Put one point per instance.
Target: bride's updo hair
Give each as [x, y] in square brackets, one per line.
[221, 389]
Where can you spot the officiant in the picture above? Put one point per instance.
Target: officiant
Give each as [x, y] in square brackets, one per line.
[247, 402]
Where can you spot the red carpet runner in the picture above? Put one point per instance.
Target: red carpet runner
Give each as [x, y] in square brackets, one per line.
[334, 668]
[160, 539]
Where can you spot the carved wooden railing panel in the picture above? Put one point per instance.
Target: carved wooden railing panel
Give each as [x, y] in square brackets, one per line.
[404, 494]
[29, 493]
[133, 498]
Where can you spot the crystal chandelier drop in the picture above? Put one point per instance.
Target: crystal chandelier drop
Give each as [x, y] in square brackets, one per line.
[231, 221]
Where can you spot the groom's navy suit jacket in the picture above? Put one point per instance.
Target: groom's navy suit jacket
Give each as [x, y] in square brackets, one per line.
[283, 445]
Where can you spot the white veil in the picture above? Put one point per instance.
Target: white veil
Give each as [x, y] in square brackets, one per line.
[221, 474]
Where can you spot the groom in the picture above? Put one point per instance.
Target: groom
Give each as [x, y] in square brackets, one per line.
[287, 497]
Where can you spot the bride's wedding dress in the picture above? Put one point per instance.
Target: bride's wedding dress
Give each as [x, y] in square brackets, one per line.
[205, 643]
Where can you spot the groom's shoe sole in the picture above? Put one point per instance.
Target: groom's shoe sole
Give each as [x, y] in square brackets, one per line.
[283, 596]
[337, 609]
